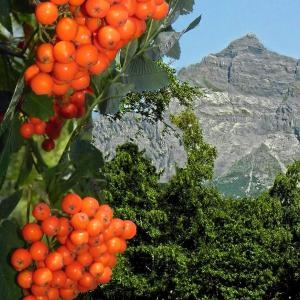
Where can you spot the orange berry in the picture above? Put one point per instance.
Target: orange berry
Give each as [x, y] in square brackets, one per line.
[41, 84]
[117, 15]
[64, 51]
[86, 55]
[38, 251]
[71, 203]
[20, 259]
[127, 30]
[65, 72]
[108, 37]
[145, 10]
[97, 8]
[32, 232]
[81, 81]
[161, 11]
[44, 53]
[27, 130]
[46, 13]
[30, 72]
[24, 279]
[83, 35]
[130, 5]
[45, 67]
[42, 276]
[101, 64]
[66, 29]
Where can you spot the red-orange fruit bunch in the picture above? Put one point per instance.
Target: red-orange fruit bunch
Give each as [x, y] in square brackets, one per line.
[85, 44]
[84, 247]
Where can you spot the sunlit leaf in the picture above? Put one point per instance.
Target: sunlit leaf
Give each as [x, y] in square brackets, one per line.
[8, 204]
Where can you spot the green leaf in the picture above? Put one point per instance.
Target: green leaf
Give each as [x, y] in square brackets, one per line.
[184, 7]
[145, 75]
[11, 143]
[175, 51]
[114, 95]
[8, 204]
[5, 18]
[129, 51]
[5, 82]
[167, 41]
[177, 8]
[86, 156]
[8, 117]
[193, 24]
[25, 168]
[9, 241]
[6, 22]
[5, 97]
[38, 106]
[23, 7]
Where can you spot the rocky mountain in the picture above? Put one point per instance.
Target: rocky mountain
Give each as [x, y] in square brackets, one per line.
[250, 111]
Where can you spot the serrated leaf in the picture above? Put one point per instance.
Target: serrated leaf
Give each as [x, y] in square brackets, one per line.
[10, 240]
[8, 204]
[145, 75]
[85, 156]
[38, 106]
[114, 95]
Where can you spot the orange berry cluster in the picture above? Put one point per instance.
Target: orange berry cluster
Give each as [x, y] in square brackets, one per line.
[86, 41]
[88, 35]
[81, 251]
[32, 126]
[66, 107]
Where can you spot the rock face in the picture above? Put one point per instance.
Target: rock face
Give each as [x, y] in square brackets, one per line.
[247, 67]
[250, 111]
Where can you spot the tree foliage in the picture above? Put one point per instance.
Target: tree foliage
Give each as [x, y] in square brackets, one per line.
[194, 243]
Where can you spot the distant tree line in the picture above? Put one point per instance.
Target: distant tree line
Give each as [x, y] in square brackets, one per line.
[194, 243]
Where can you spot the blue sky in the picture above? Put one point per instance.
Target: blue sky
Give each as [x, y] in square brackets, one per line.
[275, 22]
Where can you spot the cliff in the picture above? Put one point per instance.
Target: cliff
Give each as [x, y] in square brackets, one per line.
[250, 111]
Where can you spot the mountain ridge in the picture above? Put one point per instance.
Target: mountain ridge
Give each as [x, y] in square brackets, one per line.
[251, 100]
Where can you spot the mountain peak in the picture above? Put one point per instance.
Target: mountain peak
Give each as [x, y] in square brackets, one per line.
[248, 43]
[246, 66]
